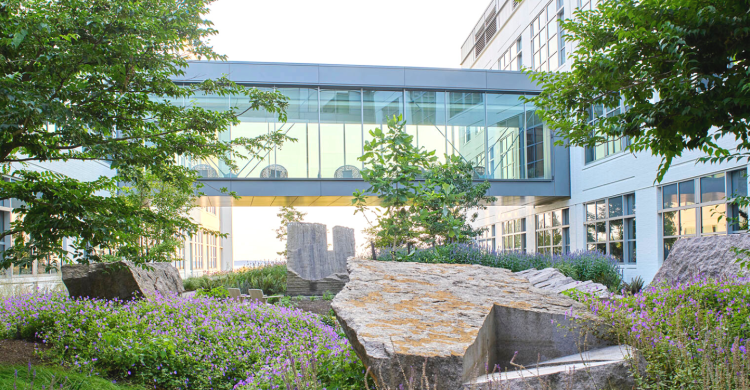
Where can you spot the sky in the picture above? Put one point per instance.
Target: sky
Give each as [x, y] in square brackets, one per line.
[425, 33]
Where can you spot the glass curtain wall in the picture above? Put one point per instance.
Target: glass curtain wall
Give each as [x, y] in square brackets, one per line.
[425, 120]
[466, 128]
[497, 132]
[340, 133]
[505, 125]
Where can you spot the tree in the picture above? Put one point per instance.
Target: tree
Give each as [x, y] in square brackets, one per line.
[679, 66]
[393, 165]
[445, 200]
[92, 80]
[425, 202]
[287, 214]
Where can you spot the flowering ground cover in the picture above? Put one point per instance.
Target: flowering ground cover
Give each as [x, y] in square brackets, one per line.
[693, 335]
[169, 342]
[581, 266]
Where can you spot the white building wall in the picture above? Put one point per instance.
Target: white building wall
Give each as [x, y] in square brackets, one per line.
[617, 174]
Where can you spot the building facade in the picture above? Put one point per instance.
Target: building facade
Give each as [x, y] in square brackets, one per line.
[615, 205]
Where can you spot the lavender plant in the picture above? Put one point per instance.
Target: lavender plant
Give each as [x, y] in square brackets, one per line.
[581, 266]
[693, 335]
[168, 342]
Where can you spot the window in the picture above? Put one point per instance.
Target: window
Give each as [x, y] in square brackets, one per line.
[610, 227]
[199, 251]
[546, 41]
[552, 232]
[514, 235]
[698, 207]
[487, 239]
[613, 144]
[511, 60]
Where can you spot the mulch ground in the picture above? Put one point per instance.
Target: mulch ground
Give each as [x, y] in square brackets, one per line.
[318, 306]
[19, 352]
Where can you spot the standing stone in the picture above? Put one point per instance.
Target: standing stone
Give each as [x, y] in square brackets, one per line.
[307, 250]
[454, 321]
[710, 256]
[311, 268]
[120, 280]
[343, 247]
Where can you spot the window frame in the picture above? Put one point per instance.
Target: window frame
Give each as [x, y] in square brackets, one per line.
[507, 235]
[564, 228]
[697, 207]
[628, 253]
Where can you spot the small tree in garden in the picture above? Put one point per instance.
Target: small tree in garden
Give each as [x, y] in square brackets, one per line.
[445, 200]
[287, 214]
[393, 165]
[425, 202]
[156, 237]
[91, 80]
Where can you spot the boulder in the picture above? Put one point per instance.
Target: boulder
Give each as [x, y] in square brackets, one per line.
[455, 322]
[120, 280]
[311, 268]
[553, 280]
[708, 256]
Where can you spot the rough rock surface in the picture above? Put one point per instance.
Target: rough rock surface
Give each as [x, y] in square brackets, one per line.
[453, 321]
[121, 280]
[307, 250]
[311, 268]
[296, 285]
[343, 246]
[553, 280]
[709, 256]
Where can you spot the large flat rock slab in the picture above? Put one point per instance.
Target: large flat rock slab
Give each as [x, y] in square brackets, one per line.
[710, 256]
[120, 280]
[453, 321]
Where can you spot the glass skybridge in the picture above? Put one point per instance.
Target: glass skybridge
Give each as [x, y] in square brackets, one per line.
[476, 114]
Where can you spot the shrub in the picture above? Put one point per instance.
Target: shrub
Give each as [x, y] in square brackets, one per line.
[169, 342]
[694, 335]
[580, 266]
[216, 292]
[269, 278]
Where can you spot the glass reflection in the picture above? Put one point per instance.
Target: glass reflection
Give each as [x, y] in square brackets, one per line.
[505, 116]
[332, 125]
[466, 128]
[340, 133]
[425, 120]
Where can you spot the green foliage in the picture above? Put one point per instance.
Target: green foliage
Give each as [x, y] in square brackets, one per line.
[581, 266]
[91, 80]
[43, 377]
[220, 292]
[271, 279]
[287, 214]
[634, 287]
[169, 342]
[693, 336]
[679, 66]
[425, 202]
[328, 296]
[393, 165]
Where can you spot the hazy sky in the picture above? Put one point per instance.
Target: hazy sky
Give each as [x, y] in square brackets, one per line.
[380, 32]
